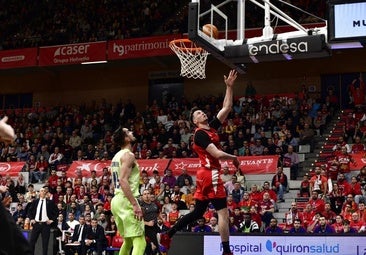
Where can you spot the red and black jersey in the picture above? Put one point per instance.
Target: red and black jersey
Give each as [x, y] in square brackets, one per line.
[204, 137]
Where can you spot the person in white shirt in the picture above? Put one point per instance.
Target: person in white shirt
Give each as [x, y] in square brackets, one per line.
[55, 158]
[72, 222]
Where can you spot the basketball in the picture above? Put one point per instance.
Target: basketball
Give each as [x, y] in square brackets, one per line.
[208, 28]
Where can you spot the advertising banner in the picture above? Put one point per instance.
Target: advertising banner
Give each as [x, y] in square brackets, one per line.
[18, 58]
[86, 166]
[288, 245]
[141, 47]
[11, 168]
[249, 165]
[71, 54]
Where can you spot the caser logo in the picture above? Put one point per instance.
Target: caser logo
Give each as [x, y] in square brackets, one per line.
[72, 50]
[277, 47]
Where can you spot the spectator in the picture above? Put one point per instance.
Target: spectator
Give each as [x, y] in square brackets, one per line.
[323, 227]
[358, 146]
[237, 192]
[338, 224]
[249, 225]
[55, 158]
[52, 181]
[308, 215]
[351, 202]
[20, 184]
[95, 237]
[186, 189]
[257, 148]
[272, 194]
[343, 185]
[291, 160]
[336, 199]
[202, 227]
[305, 186]
[279, 182]
[30, 193]
[173, 215]
[341, 143]
[176, 197]
[44, 152]
[169, 178]
[292, 215]
[356, 222]
[213, 224]
[343, 161]
[347, 228]
[229, 185]
[225, 176]
[79, 235]
[67, 150]
[266, 209]
[145, 185]
[255, 195]
[230, 203]
[361, 211]
[273, 228]
[355, 190]
[297, 228]
[181, 178]
[318, 182]
[19, 212]
[328, 213]
[240, 178]
[41, 169]
[307, 136]
[317, 204]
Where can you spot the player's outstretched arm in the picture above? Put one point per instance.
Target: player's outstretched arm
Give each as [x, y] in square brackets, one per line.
[228, 99]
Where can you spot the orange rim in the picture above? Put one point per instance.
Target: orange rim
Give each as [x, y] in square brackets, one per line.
[178, 42]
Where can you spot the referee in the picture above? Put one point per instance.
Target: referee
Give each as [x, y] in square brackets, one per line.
[150, 211]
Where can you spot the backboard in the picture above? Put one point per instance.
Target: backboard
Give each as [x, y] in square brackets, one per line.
[238, 47]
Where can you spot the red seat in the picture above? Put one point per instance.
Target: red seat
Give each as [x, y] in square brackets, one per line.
[109, 240]
[117, 241]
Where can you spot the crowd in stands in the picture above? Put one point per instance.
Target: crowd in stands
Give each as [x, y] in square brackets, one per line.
[256, 126]
[45, 23]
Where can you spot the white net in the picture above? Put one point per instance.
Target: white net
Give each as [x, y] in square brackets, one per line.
[192, 58]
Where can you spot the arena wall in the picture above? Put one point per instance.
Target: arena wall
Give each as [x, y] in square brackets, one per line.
[129, 79]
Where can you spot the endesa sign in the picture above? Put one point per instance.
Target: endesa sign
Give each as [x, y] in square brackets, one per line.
[18, 58]
[72, 54]
[140, 47]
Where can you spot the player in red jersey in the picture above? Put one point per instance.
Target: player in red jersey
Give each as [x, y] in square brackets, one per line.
[210, 187]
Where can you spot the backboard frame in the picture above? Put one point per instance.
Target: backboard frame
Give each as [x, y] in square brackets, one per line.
[235, 51]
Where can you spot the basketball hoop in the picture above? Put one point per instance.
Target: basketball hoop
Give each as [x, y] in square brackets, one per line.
[192, 58]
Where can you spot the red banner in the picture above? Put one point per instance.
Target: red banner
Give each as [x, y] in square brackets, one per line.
[72, 53]
[249, 165]
[149, 165]
[141, 47]
[11, 168]
[86, 166]
[360, 161]
[18, 58]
